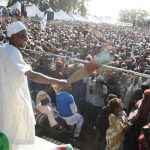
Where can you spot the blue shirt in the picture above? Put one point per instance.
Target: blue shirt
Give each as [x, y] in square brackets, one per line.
[64, 100]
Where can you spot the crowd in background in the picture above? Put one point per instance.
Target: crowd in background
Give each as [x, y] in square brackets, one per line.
[107, 96]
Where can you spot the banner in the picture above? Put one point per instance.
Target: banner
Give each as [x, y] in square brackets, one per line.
[4, 3]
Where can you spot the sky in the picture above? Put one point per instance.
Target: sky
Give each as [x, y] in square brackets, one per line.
[112, 7]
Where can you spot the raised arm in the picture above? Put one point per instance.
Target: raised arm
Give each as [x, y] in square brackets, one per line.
[40, 78]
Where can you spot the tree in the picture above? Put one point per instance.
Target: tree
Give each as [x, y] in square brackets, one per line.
[43, 5]
[75, 6]
[132, 15]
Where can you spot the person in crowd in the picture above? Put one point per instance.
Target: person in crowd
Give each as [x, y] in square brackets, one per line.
[79, 92]
[43, 105]
[89, 81]
[20, 128]
[58, 73]
[144, 138]
[144, 109]
[123, 84]
[68, 111]
[102, 125]
[145, 80]
[98, 100]
[130, 92]
[139, 94]
[117, 126]
[113, 85]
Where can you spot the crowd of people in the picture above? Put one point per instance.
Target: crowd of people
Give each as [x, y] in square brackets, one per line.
[113, 103]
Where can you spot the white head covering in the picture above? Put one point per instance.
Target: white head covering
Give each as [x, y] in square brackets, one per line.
[15, 27]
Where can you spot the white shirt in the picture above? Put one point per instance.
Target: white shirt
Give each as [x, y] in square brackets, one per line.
[72, 119]
[47, 110]
[16, 114]
[89, 82]
[1, 12]
[98, 96]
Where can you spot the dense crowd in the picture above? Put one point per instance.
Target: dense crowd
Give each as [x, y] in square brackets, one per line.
[114, 104]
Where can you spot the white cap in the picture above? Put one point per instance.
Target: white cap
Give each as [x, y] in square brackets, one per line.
[15, 27]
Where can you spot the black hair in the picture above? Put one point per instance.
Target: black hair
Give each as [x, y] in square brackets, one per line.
[111, 96]
[144, 87]
[45, 101]
[114, 104]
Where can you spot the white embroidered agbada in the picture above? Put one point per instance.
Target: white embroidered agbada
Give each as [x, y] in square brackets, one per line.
[16, 114]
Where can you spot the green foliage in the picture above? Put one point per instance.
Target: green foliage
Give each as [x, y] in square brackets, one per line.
[75, 6]
[132, 15]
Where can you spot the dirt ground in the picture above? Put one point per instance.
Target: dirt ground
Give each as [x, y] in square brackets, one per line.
[87, 139]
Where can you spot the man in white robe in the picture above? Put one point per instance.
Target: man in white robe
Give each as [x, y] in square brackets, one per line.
[16, 114]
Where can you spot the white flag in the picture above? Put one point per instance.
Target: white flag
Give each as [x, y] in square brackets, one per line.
[132, 55]
[4, 3]
[44, 22]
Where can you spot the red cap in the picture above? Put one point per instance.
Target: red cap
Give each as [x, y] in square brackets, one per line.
[59, 62]
[91, 66]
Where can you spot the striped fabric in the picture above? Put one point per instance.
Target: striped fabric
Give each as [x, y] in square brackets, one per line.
[41, 119]
[54, 141]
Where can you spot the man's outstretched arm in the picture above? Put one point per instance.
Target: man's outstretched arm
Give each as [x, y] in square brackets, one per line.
[41, 78]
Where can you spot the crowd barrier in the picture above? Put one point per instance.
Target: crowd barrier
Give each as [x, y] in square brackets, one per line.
[84, 62]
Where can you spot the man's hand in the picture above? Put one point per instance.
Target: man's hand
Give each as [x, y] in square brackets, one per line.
[62, 82]
[61, 85]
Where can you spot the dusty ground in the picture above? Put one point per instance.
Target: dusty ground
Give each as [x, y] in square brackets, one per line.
[87, 139]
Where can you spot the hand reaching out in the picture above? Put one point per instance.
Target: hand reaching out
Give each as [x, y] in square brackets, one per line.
[61, 85]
